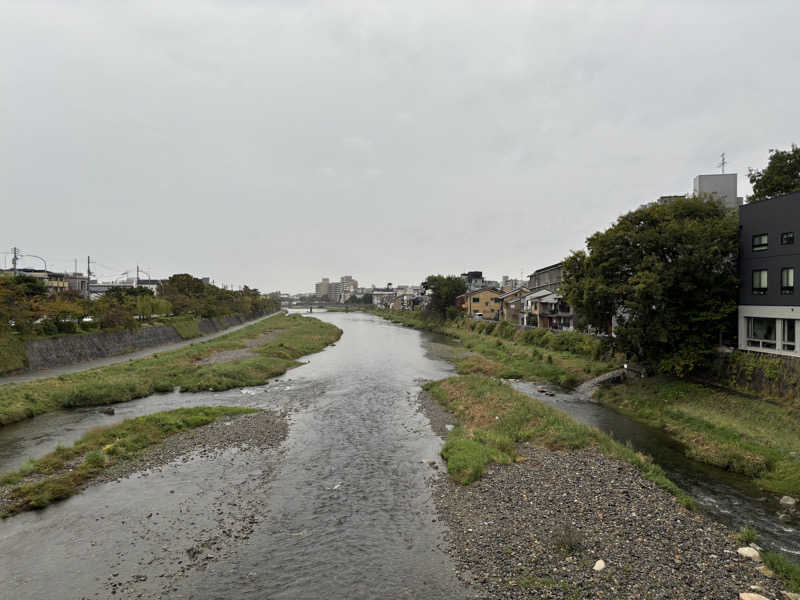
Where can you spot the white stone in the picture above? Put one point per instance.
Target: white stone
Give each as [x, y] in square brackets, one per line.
[599, 565]
[790, 595]
[749, 552]
[788, 501]
[751, 596]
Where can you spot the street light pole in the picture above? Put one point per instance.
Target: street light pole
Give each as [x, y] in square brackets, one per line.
[40, 258]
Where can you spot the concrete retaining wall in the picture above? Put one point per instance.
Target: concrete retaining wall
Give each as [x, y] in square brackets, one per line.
[70, 349]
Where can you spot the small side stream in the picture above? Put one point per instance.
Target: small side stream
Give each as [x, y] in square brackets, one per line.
[725, 496]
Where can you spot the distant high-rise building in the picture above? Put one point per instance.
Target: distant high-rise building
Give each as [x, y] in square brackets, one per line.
[720, 185]
[322, 289]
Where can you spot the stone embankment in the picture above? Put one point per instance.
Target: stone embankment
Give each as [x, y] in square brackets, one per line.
[47, 353]
[575, 524]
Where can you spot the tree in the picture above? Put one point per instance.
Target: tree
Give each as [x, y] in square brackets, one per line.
[668, 274]
[782, 175]
[445, 290]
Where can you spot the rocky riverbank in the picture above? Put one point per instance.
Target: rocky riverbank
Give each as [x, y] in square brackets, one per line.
[561, 524]
[258, 431]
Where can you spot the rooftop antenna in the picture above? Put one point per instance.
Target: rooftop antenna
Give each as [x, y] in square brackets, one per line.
[722, 162]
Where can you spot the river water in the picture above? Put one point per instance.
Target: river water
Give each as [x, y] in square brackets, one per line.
[346, 513]
[349, 512]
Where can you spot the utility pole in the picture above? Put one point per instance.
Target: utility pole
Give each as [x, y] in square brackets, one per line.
[88, 275]
[137, 276]
[14, 260]
[722, 162]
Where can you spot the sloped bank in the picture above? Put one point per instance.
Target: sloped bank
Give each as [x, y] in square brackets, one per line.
[538, 525]
[46, 353]
[296, 336]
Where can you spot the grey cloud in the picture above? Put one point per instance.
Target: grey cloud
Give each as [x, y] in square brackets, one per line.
[277, 142]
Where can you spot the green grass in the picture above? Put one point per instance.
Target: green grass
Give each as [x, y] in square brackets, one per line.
[187, 327]
[494, 418]
[786, 570]
[746, 535]
[65, 470]
[295, 336]
[500, 350]
[12, 353]
[756, 438]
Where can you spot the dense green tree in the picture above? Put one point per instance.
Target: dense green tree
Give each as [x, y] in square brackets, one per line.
[782, 175]
[668, 274]
[364, 299]
[444, 291]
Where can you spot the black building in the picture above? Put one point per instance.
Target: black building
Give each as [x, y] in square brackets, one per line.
[769, 261]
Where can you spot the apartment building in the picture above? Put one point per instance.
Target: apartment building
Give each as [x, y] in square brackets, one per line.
[769, 258]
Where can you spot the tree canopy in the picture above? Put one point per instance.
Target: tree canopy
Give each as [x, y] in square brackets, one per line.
[667, 274]
[444, 290]
[27, 308]
[782, 175]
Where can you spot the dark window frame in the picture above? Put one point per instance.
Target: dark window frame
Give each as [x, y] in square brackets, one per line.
[787, 238]
[760, 247]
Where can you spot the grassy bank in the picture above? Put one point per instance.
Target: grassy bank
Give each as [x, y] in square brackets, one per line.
[493, 418]
[187, 327]
[293, 336]
[12, 353]
[748, 436]
[62, 473]
[500, 350]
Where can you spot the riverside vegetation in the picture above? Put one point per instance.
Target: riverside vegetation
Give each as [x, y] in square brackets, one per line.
[28, 310]
[746, 435]
[755, 437]
[63, 472]
[498, 349]
[494, 418]
[286, 338]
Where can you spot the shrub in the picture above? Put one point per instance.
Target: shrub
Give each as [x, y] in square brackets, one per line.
[64, 326]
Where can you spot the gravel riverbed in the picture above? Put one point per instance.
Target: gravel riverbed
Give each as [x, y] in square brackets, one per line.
[537, 529]
[210, 532]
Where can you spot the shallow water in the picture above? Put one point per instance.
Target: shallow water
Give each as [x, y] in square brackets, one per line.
[349, 509]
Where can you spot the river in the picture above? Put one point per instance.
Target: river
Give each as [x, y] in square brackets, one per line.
[346, 511]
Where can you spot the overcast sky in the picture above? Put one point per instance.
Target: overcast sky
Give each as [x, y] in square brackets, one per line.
[274, 143]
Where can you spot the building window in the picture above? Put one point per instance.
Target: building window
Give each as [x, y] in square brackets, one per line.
[760, 242]
[788, 335]
[476, 300]
[787, 280]
[760, 332]
[760, 282]
[787, 237]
